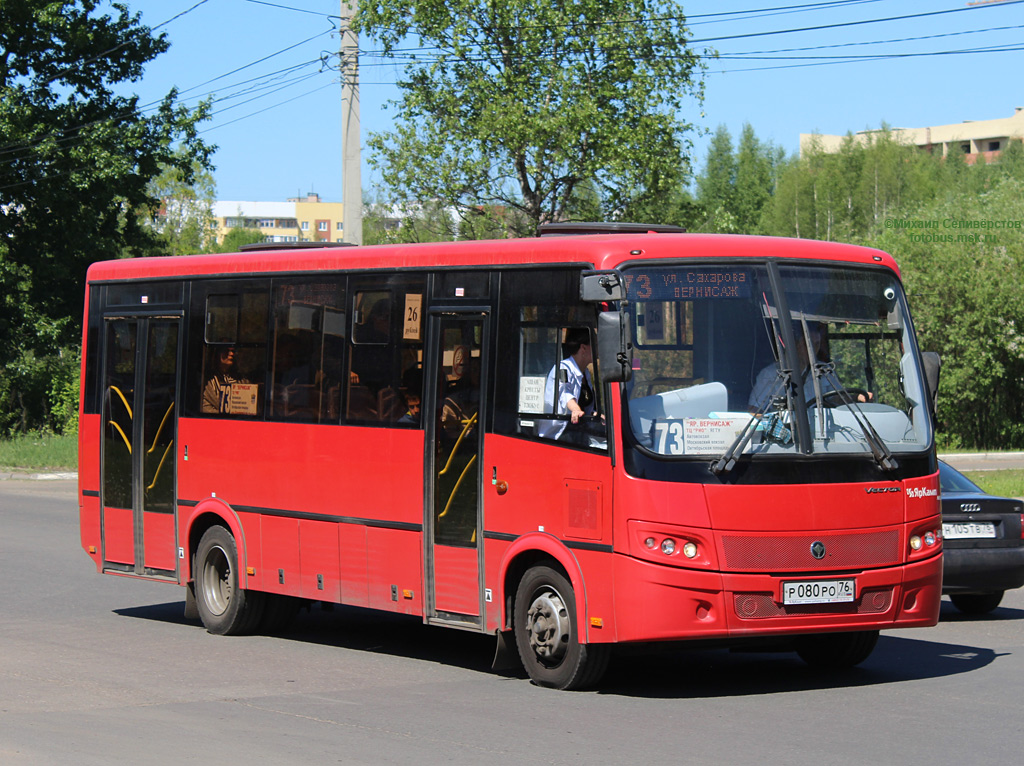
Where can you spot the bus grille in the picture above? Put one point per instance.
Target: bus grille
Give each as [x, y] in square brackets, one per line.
[758, 606]
[842, 551]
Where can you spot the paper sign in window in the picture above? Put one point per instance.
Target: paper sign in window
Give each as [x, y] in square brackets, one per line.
[242, 398]
[413, 322]
[531, 393]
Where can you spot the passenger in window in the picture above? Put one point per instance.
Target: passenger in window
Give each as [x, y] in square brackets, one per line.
[412, 409]
[569, 389]
[462, 401]
[216, 392]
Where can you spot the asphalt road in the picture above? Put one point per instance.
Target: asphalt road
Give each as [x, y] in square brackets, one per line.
[97, 670]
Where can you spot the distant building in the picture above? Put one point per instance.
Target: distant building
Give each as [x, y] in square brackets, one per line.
[972, 138]
[300, 219]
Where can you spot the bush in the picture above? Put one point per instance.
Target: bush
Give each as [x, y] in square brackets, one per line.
[40, 393]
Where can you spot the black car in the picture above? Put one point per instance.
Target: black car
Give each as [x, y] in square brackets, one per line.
[983, 551]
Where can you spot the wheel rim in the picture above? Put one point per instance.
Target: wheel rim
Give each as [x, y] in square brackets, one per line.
[217, 580]
[548, 626]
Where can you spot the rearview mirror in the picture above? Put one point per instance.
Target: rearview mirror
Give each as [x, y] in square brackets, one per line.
[932, 363]
[596, 286]
[614, 351]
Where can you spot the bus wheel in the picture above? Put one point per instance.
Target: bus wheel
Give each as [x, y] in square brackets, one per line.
[976, 603]
[833, 651]
[547, 635]
[224, 608]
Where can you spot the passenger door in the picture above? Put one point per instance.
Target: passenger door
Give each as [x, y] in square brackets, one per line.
[138, 486]
[454, 408]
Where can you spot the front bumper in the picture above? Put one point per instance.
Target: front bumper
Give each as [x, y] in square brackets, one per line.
[661, 603]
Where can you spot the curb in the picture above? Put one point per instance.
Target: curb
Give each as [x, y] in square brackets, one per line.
[41, 476]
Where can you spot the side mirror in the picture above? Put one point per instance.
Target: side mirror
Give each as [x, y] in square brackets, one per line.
[932, 366]
[597, 286]
[614, 351]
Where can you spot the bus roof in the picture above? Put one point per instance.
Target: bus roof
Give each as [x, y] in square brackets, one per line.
[600, 250]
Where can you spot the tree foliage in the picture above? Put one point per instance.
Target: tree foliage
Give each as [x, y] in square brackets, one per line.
[519, 104]
[185, 220]
[76, 159]
[735, 186]
[964, 286]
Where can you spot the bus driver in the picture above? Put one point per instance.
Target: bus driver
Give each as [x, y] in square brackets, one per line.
[575, 389]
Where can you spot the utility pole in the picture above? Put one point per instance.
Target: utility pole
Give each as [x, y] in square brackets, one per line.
[352, 188]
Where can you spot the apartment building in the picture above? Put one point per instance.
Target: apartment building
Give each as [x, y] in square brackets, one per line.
[300, 219]
[973, 138]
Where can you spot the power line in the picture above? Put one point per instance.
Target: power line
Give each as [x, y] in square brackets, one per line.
[842, 24]
[178, 16]
[291, 8]
[267, 109]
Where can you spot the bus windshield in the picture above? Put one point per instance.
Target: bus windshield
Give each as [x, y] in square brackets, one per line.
[764, 359]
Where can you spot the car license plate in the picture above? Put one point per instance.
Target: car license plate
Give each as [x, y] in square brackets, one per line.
[818, 592]
[966, 530]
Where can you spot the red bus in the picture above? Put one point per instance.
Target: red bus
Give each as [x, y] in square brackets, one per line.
[567, 442]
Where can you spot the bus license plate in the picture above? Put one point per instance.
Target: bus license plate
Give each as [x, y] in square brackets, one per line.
[818, 592]
[965, 530]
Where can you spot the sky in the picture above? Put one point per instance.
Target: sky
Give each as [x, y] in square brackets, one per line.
[786, 67]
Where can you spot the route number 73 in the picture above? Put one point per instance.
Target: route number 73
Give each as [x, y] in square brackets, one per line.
[668, 437]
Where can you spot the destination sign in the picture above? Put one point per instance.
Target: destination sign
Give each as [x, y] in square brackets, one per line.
[688, 284]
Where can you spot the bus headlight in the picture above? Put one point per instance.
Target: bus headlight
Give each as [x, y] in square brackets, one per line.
[668, 546]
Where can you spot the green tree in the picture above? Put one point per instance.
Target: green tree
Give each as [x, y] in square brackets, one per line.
[238, 237]
[518, 103]
[185, 217]
[716, 186]
[964, 288]
[755, 179]
[76, 158]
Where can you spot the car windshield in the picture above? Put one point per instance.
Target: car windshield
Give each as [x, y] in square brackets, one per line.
[760, 359]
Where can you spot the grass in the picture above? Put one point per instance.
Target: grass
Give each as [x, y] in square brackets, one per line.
[1006, 482]
[40, 452]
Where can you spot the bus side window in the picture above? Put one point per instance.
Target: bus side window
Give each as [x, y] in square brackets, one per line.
[228, 349]
[384, 380]
[536, 309]
[308, 341]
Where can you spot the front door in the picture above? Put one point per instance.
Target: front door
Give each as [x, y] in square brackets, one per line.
[137, 493]
[454, 515]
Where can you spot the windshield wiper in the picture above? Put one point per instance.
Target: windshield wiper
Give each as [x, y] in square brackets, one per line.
[727, 461]
[879, 449]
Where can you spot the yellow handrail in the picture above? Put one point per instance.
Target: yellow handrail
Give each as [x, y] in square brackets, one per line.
[127, 443]
[455, 489]
[465, 429]
[161, 428]
[127, 406]
[160, 465]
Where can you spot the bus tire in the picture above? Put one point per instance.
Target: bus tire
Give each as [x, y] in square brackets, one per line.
[224, 607]
[976, 603]
[834, 651]
[547, 637]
